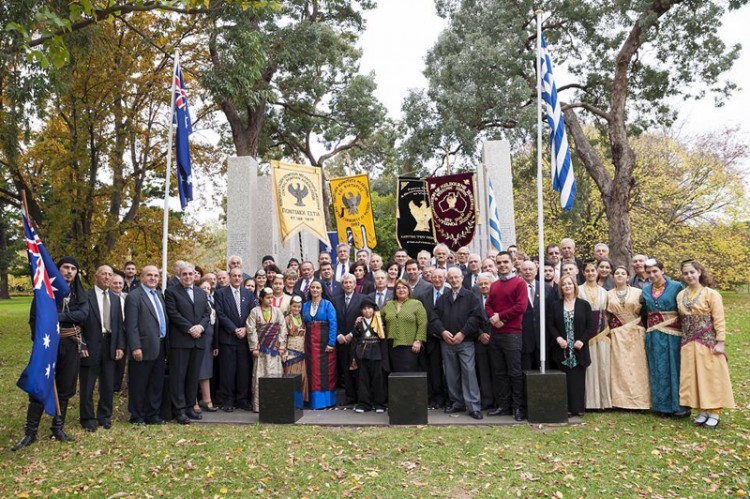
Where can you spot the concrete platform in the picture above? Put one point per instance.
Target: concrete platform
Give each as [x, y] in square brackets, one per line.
[345, 416]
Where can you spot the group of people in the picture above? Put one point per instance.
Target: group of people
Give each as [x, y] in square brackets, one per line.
[626, 337]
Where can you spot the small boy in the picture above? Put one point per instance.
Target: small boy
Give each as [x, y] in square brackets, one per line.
[371, 355]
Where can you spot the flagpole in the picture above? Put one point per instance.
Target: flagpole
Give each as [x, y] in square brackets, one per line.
[167, 174]
[539, 193]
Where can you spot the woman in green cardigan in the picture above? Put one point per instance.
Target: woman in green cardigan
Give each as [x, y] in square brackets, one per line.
[406, 328]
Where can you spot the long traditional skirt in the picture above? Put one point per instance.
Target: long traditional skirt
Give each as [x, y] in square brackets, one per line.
[629, 381]
[598, 395]
[663, 338]
[295, 361]
[321, 366]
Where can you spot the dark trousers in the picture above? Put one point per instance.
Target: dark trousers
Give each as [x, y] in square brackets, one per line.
[145, 386]
[103, 369]
[66, 369]
[120, 373]
[346, 375]
[234, 375]
[403, 360]
[370, 387]
[530, 360]
[505, 351]
[484, 374]
[431, 360]
[184, 365]
[575, 379]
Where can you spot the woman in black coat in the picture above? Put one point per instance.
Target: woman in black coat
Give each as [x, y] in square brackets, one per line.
[569, 323]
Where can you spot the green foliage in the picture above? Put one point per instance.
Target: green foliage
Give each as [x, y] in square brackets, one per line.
[383, 209]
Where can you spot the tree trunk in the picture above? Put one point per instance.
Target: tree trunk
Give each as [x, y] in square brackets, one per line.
[616, 207]
[4, 257]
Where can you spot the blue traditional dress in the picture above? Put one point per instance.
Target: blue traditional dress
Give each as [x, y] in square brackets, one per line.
[663, 338]
[321, 331]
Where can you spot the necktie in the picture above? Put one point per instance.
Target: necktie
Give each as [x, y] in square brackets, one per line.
[347, 300]
[380, 300]
[305, 286]
[330, 287]
[531, 295]
[190, 293]
[455, 295]
[437, 295]
[238, 302]
[105, 313]
[473, 280]
[160, 313]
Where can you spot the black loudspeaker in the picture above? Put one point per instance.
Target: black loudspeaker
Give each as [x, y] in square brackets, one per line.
[407, 398]
[546, 397]
[277, 400]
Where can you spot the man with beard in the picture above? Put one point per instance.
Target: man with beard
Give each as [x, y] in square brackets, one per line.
[72, 313]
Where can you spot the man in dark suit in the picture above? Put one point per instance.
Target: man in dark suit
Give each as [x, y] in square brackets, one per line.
[473, 268]
[531, 318]
[233, 305]
[432, 359]
[146, 325]
[482, 357]
[347, 305]
[551, 289]
[187, 308]
[103, 344]
[381, 294]
[457, 319]
[418, 285]
[307, 274]
[331, 287]
[130, 281]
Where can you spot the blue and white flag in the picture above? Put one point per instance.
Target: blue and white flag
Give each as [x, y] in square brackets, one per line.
[182, 143]
[49, 289]
[496, 238]
[563, 180]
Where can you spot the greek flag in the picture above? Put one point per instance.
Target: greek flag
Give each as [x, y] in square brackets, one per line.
[496, 239]
[563, 180]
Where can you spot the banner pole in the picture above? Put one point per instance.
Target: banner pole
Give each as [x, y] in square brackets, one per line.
[539, 192]
[167, 174]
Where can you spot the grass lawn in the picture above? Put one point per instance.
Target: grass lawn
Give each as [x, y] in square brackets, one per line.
[615, 453]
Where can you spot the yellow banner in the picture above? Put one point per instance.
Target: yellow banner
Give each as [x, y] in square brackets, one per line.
[298, 192]
[353, 209]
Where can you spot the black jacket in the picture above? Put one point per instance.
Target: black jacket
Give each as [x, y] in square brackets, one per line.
[92, 328]
[184, 314]
[346, 316]
[142, 323]
[428, 302]
[463, 314]
[582, 330]
[227, 319]
[531, 322]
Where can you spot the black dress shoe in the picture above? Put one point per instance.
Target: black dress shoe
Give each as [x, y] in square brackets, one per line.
[89, 427]
[519, 415]
[454, 409]
[137, 422]
[183, 419]
[682, 414]
[61, 436]
[190, 413]
[227, 408]
[24, 442]
[106, 424]
[155, 421]
[500, 412]
[476, 415]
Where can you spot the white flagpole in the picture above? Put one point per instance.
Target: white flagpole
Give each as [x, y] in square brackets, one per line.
[539, 194]
[167, 174]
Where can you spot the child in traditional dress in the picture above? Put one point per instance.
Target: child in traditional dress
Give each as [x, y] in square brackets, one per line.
[266, 334]
[371, 355]
[294, 361]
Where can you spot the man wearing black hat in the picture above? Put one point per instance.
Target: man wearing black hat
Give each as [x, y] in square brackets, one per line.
[72, 313]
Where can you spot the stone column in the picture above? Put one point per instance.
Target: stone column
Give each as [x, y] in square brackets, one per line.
[496, 159]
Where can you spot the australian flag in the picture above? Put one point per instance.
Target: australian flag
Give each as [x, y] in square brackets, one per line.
[184, 129]
[49, 289]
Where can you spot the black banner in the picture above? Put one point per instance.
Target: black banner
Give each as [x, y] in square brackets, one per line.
[414, 217]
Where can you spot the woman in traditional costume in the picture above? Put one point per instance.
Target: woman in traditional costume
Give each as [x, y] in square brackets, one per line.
[629, 373]
[704, 372]
[266, 337]
[260, 282]
[598, 373]
[406, 327]
[294, 362]
[604, 270]
[320, 347]
[663, 338]
[569, 330]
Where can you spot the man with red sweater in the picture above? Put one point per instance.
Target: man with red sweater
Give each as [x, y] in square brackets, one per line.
[505, 307]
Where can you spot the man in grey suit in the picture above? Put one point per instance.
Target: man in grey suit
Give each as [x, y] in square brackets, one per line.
[189, 315]
[381, 294]
[146, 329]
[418, 285]
[104, 344]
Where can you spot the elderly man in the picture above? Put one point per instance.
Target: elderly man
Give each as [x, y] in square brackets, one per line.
[601, 250]
[188, 312]
[307, 274]
[381, 294]
[117, 286]
[347, 305]
[440, 253]
[342, 261]
[457, 319]
[473, 268]
[235, 262]
[532, 316]
[553, 256]
[640, 276]
[482, 345]
[222, 279]
[104, 343]
[432, 358]
[505, 307]
[462, 259]
[490, 267]
[376, 263]
[423, 259]
[146, 324]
